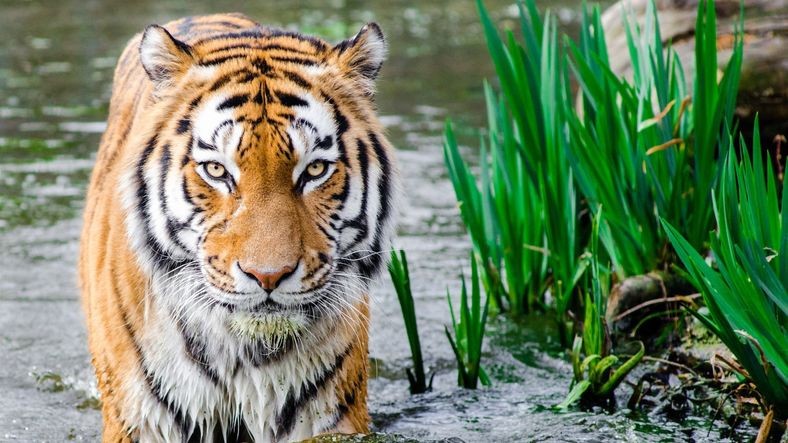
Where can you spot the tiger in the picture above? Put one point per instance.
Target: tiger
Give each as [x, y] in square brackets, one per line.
[242, 203]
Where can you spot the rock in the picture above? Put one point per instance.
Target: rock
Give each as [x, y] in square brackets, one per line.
[641, 295]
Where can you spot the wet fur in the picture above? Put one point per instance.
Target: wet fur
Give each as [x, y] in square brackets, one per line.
[160, 245]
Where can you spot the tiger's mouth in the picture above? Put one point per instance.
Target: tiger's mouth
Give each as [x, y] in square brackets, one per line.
[277, 319]
[274, 328]
[271, 322]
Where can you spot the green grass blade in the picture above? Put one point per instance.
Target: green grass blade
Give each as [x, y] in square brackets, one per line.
[574, 395]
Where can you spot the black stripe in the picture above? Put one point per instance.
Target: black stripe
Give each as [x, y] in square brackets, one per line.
[186, 159]
[188, 197]
[297, 79]
[160, 258]
[243, 74]
[258, 98]
[302, 123]
[183, 125]
[262, 66]
[173, 226]
[278, 47]
[342, 127]
[383, 182]
[195, 102]
[287, 155]
[221, 125]
[295, 60]
[360, 222]
[181, 419]
[190, 151]
[247, 77]
[234, 102]
[344, 45]
[325, 143]
[371, 264]
[233, 46]
[203, 145]
[195, 349]
[258, 353]
[266, 93]
[290, 100]
[342, 194]
[318, 44]
[164, 163]
[182, 46]
[221, 81]
[153, 386]
[286, 418]
[220, 60]
[252, 33]
[342, 122]
[325, 233]
[246, 48]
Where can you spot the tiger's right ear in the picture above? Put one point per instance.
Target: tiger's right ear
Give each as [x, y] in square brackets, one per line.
[163, 56]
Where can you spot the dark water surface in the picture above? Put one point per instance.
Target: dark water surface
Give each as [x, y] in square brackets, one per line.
[56, 64]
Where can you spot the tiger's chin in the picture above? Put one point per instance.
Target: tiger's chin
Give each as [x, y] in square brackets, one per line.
[273, 328]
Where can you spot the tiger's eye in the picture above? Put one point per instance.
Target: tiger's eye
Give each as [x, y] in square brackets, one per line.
[316, 169]
[214, 169]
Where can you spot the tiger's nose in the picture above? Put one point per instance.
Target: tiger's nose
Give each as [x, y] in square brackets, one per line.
[268, 280]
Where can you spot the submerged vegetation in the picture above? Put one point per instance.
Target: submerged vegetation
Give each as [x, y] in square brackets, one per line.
[578, 191]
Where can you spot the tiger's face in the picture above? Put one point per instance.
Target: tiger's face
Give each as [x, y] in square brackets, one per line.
[267, 193]
[265, 186]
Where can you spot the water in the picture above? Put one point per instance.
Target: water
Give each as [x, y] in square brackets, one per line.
[56, 66]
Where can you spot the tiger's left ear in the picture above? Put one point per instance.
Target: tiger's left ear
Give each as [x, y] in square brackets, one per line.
[163, 56]
[362, 56]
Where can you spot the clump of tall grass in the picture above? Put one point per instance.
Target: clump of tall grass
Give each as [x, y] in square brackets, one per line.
[645, 148]
[466, 342]
[642, 148]
[522, 213]
[745, 288]
[400, 276]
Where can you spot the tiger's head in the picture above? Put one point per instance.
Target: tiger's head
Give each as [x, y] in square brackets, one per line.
[263, 183]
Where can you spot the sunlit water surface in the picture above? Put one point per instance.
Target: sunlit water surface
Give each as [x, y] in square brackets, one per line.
[56, 63]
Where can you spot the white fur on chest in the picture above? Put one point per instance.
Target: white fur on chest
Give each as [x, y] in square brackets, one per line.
[230, 389]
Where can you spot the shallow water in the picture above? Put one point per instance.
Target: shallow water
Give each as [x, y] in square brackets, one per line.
[55, 71]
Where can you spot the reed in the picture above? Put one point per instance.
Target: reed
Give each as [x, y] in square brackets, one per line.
[468, 332]
[745, 289]
[645, 148]
[400, 276]
[521, 212]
